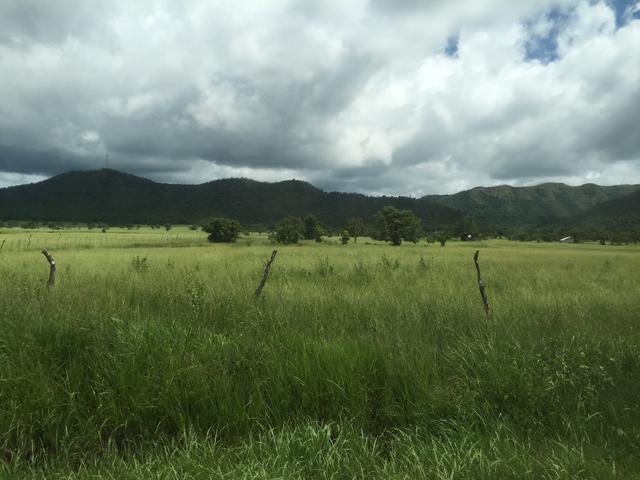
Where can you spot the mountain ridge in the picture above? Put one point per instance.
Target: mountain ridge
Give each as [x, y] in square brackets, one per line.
[115, 197]
[535, 205]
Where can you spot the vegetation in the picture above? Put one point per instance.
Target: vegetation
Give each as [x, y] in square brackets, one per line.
[442, 237]
[222, 230]
[356, 228]
[312, 228]
[362, 361]
[395, 225]
[116, 198]
[540, 205]
[288, 231]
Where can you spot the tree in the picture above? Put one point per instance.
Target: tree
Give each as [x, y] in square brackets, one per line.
[411, 227]
[222, 230]
[465, 227]
[312, 229]
[356, 227]
[442, 237]
[287, 231]
[396, 225]
[167, 226]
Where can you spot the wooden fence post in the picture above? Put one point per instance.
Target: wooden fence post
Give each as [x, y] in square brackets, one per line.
[52, 269]
[266, 273]
[483, 295]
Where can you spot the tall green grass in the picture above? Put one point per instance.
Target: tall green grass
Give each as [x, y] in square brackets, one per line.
[358, 361]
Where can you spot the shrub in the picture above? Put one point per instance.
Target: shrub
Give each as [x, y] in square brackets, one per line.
[312, 229]
[289, 230]
[139, 264]
[222, 230]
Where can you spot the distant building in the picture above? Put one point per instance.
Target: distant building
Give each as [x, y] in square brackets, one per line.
[566, 240]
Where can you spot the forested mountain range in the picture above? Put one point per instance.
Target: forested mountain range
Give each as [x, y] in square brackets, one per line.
[540, 205]
[118, 198]
[619, 213]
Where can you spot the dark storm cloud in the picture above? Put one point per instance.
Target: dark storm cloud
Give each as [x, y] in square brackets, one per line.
[47, 162]
[380, 96]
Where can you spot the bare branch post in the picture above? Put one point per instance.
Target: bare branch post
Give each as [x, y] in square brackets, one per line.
[266, 273]
[483, 295]
[52, 269]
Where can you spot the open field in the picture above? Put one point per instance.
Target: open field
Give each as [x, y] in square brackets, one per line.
[152, 359]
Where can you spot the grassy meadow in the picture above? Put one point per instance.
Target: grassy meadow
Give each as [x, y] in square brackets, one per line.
[151, 358]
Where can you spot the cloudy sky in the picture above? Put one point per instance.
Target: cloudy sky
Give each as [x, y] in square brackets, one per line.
[377, 96]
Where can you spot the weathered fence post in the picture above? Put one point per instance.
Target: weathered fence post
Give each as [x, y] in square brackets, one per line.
[483, 295]
[52, 269]
[266, 273]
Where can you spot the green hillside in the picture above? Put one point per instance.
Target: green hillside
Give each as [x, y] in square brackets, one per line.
[620, 213]
[531, 206]
[115, 197]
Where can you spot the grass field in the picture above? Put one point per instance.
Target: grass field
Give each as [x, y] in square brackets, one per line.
[151, 358]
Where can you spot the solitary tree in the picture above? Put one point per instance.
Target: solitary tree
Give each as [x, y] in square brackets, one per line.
[442, 237]
[288, 230]
[312, 229]
[396, 225]
[356, 227]
[222, 230]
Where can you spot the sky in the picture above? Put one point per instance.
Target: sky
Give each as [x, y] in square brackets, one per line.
[396, 97]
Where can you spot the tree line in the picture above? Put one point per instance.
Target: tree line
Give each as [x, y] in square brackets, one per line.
[394, 226]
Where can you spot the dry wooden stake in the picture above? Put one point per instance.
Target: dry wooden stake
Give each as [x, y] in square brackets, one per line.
[483, 295]
[52, 269]
[266, 273]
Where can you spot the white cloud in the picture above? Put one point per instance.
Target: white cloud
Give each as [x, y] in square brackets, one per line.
[354, 95]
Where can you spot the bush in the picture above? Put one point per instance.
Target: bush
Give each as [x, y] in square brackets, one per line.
[312, 229]
[222, 230]
[287, 231]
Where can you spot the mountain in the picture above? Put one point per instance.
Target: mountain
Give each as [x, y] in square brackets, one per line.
[620, 213]
[118, 198]
[531, 206]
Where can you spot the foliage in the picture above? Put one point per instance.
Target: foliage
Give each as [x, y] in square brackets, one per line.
[545, 204]
[442, 237]
[395, 225]
[356, 228]
[140, 264]
[464, 227]
[312, 229]
[344, 237]
[118, 198]
[222, 230]
[287, 231]
[324, 267]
